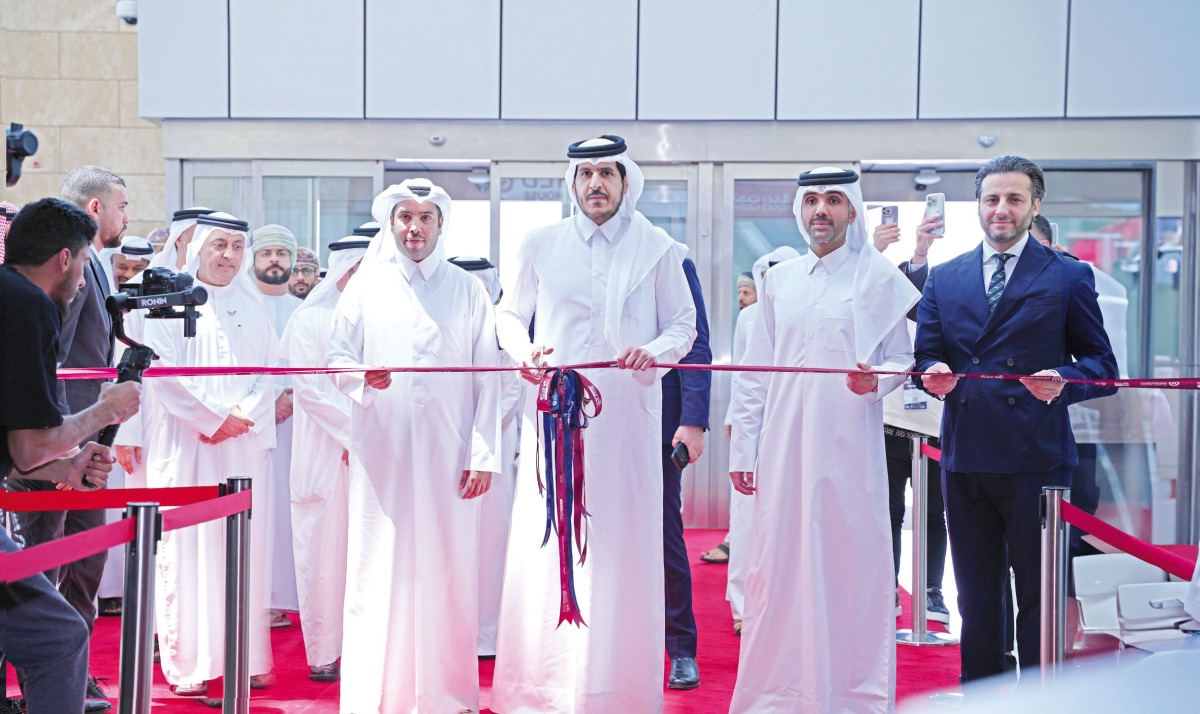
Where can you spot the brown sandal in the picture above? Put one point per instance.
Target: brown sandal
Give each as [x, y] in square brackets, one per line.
[719, 555]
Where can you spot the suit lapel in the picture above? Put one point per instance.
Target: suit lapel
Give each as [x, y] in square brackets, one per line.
[970, 280]
[99, 275]
[1030, 265]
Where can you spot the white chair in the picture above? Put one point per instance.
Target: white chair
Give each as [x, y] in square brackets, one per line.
[1097, 578]
[1150, 612]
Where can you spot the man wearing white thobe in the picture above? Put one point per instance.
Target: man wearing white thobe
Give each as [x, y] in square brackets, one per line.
[274, 249]
[810, 448]
[131, 437]
[320, 472]
[423, 447]
[605, 284]
[741, 506]
[496, 505]
[208, 429]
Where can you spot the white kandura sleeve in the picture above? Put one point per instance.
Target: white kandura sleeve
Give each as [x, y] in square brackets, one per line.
[345, 348]
[486, 436]
[750, 397]
[516, 308]
[740, 336]
[331, 413]
[675, 310]
[895, 354]
[182, 397]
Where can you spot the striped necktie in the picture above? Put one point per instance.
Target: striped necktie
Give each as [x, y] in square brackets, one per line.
[996, 284]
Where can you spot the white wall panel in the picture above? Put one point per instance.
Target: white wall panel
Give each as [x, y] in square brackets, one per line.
[823, 76]
[566, 59]
[183, 59]
[301, 59]
[1134, 59]
[437, 60]
[993, 60]
[707, 59]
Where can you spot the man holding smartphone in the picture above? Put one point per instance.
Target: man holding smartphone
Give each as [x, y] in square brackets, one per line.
[810, 447]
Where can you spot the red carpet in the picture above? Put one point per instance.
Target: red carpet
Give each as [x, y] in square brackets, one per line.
[920, 670]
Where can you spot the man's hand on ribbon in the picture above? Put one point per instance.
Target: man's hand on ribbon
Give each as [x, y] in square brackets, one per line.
[1047, 390]
[283, 406]
[129, 457]
[636, 358]
[939, 380]
[235, 425]
[121, 400]
[532, 367]
[860, 382]
[693, 438]
[743, 482]
[474, 483]
[377, 377]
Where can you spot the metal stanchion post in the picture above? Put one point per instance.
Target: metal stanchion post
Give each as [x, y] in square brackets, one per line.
[137, 609]
[237, 596]
[919, 634]
[1054, 582]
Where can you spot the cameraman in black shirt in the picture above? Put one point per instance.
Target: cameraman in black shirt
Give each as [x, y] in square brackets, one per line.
[46, 249]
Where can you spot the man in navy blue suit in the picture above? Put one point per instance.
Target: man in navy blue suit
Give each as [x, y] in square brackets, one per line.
[1011, 306]
[684, 420]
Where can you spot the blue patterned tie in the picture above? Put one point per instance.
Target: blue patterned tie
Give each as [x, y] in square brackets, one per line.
[996, 284]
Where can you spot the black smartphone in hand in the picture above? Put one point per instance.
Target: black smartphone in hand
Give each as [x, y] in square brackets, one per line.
[680, 456]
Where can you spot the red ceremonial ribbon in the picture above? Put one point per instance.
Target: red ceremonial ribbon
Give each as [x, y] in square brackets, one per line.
[563, 396]
[111, 373]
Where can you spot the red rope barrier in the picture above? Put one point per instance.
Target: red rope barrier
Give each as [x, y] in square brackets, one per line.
[31, 561]
[23, 501]
[207, 511]
[931, 452]
[1173, 563]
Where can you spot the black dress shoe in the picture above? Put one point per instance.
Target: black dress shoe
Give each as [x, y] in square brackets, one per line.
[97, 698]
[685, 673]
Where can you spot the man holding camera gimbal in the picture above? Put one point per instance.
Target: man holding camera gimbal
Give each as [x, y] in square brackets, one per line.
[41, 634]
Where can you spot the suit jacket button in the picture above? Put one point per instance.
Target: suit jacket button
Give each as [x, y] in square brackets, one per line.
[1009, 362]
[1012, 401]
[962, 400]
[974, 360]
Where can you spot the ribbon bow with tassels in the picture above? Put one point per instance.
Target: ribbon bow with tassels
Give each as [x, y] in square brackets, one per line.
[564, 396]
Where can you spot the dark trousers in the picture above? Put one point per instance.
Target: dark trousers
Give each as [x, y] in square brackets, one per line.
[78, 581]
[994, 521]
[45, 640]
[681, 622]
[899, 468]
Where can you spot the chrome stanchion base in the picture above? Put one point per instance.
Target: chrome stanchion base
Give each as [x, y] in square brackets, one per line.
[929, 639]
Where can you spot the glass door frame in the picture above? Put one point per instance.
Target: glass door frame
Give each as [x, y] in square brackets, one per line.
[256, 169]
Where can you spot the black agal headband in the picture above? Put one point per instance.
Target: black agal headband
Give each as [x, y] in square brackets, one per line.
[809, 178]
[349, 244]
[578, 151]
[228, 223]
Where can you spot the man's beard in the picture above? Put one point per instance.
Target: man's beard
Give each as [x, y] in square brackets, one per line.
[112, 241]
[60, 292]
[601, 220]
[263, 276]
[1020, 228]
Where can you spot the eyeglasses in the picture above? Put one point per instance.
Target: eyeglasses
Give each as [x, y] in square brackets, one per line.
[305, 271]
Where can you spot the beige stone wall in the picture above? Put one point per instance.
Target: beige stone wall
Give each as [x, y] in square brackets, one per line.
[68, 72]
